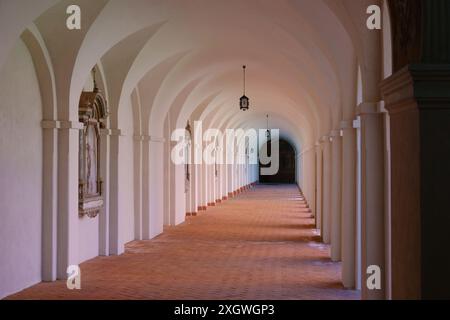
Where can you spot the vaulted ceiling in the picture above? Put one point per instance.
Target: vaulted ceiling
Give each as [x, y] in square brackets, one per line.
[184, 58]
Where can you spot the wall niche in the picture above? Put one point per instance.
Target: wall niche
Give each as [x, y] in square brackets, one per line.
[92, 113]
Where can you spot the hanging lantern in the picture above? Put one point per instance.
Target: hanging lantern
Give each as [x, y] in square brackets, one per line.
[244, 101]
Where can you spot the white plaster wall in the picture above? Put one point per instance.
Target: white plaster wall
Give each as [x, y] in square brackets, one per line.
[126, 171]
[89, 84]
[88, 231]
[20, 173]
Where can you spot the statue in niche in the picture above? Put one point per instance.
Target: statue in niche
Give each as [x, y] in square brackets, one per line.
[187, 152]
[92, 112]
[92, 159]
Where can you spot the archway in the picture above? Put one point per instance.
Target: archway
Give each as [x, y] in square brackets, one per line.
[287, 169]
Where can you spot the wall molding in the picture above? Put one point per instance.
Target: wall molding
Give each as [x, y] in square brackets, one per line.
[61, 124]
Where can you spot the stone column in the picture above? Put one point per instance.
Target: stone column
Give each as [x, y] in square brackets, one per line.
[372, 189]
[237, 171]
[204, 186]
[49, 200]
[230, 181]
[199, 182]
[115, 248]
[211, 185]
[238, 176]
[218, 193]
[387, 202]
[105, 170]
[348, 204]
[140, 181]
[156, 183]
[196, 176]
[312, 180]
[336, 174]
[148, 179]
[194, 190]
[326, 193]
[358, 225]
[67, 231]
[242, 175]
[319, 167]
[418, 100]
[177, 193]
[224, 182]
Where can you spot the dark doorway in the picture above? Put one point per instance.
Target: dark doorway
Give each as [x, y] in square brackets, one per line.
[286, 171]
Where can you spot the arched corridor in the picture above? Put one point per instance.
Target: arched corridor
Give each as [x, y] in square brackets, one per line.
[129, 126]
[261, 245]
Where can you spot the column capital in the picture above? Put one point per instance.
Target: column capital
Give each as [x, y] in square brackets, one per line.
[367, 108]
[110, 132]
[156, 139]
[325, 138]
[335, 133]
[423, 83]
[347, 124]
[61, 124]
[149, 138]
[138, 138]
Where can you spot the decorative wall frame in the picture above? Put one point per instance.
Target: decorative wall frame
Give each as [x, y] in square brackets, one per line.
[92, 112]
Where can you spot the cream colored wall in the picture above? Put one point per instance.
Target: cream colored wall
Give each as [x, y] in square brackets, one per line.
[20, 173]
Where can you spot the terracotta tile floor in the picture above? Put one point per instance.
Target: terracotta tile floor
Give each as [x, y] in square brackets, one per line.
[258, 245]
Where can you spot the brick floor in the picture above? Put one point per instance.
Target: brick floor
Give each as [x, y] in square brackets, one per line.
[258, 245]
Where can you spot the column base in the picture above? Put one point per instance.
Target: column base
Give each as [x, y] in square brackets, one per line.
[191, 214]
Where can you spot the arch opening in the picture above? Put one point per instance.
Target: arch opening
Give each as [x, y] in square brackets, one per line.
[287, 167]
